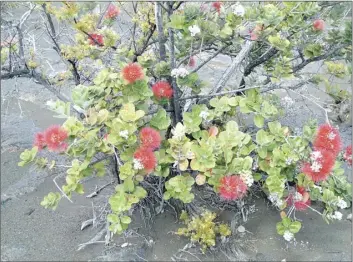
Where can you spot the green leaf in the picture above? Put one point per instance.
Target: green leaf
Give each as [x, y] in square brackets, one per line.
[286, 222]
[160, 120]
[294, 227]
[129, 185]
[280, 228]
[125, 219]
[176, 21]
[259, 121]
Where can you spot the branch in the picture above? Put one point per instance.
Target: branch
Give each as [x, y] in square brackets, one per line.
[175, 102]
[317, 58]
[234, 67]
[210, 58]
[161, 36]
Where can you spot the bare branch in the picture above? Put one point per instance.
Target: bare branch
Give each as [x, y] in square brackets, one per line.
[234, 67]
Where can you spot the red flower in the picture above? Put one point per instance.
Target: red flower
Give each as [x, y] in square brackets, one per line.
[95, 39]
[162, 89]
[232, 187]
[217, 6]
[112, 12]
[253, 36]
[321, 165]
[319, 24]
[150, 138]
[303, 202]
[55, 137]
[192, 61]
[147, 158]
[132, 72]
[39, 141]
[328, 138]
[347, 156]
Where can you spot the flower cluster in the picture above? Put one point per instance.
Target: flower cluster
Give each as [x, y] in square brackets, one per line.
[254, 34]
[194, 30]
[247, 178]
[217, 6]
[96, 39]
[144, 157]
[337, 215]
[124, 134]
[132, 72]
[341, 203]
[319, 25]
[320, 165]
[275, 200]
[192, 61]
[112, 12]
[300, 199]
[239, 10]
[54, 138]
[179, 72]
[288, 236]
[347, 155]
[232, 187]
[150, 138]
[162, 89]
[327, 145]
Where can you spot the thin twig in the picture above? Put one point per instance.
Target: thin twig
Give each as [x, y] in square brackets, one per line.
[54, 180]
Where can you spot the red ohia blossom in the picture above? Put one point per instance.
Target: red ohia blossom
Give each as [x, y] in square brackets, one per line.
[319, 24]
[320, 168]
[112, 12]
[303, 202]
[133, 72]
[39, 141]
[162, 89]
[150, 138]
[232, 187]
[328, 138]
[253, 35]
[96, 39]
[347, 156]
[147, 158]
[192, 61]
[55, 137]
[217, 6]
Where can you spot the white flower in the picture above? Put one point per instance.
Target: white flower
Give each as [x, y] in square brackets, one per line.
[247, 178]
[298, 196]
[179, 131]
[315, 155]
[179, 72]
[288, 235]
[331, 136]
[239, 10]
[289, 161]
[194, 30]
[316, 166]
[124, 134]
[337, 215]
[137, 164]
[204, 114]
[341, 203]
[273, 197]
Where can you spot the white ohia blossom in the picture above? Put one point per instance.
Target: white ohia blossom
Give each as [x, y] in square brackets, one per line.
[337, 215]
[124, 134]
[341, 203]
[275, 200]
[179, 72]
[331, 136]
[239, 10]
[316, 166]
[288, 235]
[298, 196]
[247, 178]
[137, 164]
[204, 115]
[315, 155]
[194, 30]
